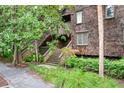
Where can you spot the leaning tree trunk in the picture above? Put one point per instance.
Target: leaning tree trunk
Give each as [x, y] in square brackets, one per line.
[15, 58]
[36, 51]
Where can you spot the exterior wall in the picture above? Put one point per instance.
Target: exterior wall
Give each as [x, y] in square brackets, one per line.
[113, 31]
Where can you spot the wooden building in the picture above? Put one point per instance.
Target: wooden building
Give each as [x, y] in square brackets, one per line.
[84, 30]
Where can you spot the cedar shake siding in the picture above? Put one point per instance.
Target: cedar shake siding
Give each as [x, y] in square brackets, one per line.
[113, 31]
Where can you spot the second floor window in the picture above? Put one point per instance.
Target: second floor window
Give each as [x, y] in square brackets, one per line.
[109, 11]
[79, 17]
[66, 18]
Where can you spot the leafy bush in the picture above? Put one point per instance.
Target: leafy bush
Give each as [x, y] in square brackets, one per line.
[32, 58]
[41, 58]
[74, 78]
[73, 61]
[29, 58]
[67, 53]
[7, 53]
[83, 63]
[52, 45]
[112, 68]
[116, 69]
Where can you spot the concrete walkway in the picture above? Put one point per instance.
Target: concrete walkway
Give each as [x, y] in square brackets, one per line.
[22, 78]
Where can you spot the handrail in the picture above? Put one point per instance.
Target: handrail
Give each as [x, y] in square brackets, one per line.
[42, 38]
[66, 47]
[46, 52]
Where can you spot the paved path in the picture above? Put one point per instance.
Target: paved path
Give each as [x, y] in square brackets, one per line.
[22, 78]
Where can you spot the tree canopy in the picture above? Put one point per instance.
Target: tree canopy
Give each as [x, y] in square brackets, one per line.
[23, 24]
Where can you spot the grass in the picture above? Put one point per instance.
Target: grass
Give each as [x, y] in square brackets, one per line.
[74, 78]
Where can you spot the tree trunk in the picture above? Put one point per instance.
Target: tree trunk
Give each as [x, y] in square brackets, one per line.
[36, 51]
[101, 40]
[15, 56]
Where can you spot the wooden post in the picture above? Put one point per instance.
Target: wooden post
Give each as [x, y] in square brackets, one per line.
[101, 40]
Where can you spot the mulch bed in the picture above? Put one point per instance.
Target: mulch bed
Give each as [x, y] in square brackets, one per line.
[22, 65]
[5, 60]
[3, 82]
[35, 63]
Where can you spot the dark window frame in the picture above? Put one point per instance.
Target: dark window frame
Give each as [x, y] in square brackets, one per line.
[106, 14]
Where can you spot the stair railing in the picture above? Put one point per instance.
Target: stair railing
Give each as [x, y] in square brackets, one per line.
[39, 42]
[69, 44]
[47, 54]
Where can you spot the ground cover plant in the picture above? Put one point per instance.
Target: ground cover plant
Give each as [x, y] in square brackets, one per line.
[113, 68]
[74, 78]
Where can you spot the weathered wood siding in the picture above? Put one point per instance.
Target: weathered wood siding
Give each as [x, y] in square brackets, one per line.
[113, 31]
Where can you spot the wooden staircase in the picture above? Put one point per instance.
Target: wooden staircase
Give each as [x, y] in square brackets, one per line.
[54, 58]
[43, 49]
[51, 58]
[25, 51]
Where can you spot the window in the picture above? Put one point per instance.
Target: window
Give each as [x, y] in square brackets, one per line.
[66, 18]
[109, 11]
[79, 17]
[82, 38]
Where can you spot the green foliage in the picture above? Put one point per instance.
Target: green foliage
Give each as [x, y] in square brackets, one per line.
[52, 45]
[74, 78]
[67, 52]
[20, 25]
[41, 58]
[116, 69]
[29, 58]
[7, 53]
[83, 63]
[63, 38]
[32, 58]
[73, 61]
[112, 68]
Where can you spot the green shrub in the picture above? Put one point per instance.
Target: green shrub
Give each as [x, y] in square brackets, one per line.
[52, 45]
[29, 58]
[7, 53]
[32, 58]
[116, 69]
[112, 68]
[74, 78]
[41, 58]
[83, 63]
[72, 61]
